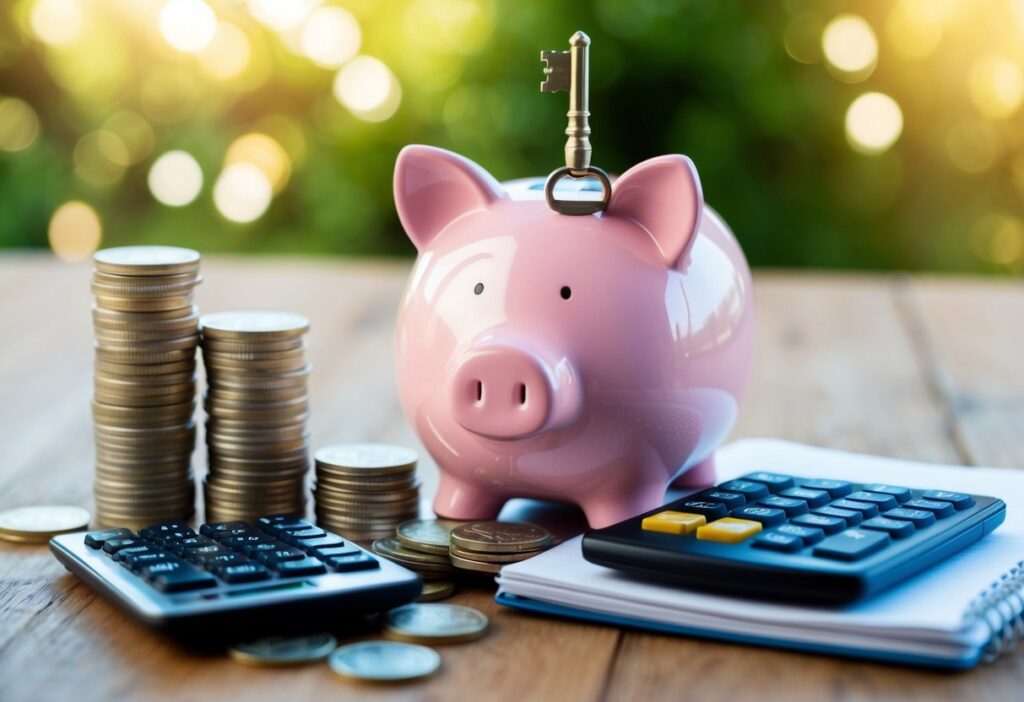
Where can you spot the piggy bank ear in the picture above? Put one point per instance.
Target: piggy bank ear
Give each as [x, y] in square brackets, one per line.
[663, 196]
[434, 187]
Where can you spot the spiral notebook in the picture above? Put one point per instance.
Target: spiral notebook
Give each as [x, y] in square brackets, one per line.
[966, 610]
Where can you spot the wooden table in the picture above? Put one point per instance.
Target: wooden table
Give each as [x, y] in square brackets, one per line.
[921, 368]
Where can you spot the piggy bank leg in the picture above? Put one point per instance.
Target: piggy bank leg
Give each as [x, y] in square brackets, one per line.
[605, 510]
[457, 499]
[700, 475]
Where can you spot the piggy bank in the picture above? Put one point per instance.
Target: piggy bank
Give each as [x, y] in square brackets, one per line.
[587, 359]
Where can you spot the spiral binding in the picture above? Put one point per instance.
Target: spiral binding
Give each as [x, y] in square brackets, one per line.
[1001, 609]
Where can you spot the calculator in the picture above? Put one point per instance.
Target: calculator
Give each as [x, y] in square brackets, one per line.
[774, 536]
[233, 580]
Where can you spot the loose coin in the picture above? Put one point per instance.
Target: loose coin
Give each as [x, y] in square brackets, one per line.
[384, 661]
[493, 557]
[38, 523]
[393, 549]
[477, 566]
[435, 623]
[427, 535]
[500, 537]
[437, 590]
[280, 651]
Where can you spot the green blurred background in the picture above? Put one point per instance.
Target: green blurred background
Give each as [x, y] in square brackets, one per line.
[877, 134]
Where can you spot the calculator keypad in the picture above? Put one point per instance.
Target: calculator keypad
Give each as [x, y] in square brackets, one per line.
[172, 557]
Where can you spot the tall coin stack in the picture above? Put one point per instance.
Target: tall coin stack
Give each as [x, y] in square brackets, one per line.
[147, 330]
[364, 491]
[257, 407]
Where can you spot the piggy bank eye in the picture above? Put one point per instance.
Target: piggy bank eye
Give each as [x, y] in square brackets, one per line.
[478, 288]
[566, 292]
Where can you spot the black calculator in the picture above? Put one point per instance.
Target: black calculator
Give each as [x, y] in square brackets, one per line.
[233, 579]
[774, 536]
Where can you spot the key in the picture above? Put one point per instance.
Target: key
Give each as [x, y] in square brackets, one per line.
[283, 522]
[222, 559]
[788, 505]
[768, 516]
[852, 545]
[350, 563]
[958, 499]
[245, 541]
[297, 537]
[279, 555]
[774, 481]
[142, 560]
[919, 517]
[941, 510]
[243, 573]
[186, 546]
[732, 500]
[323, 542]
[167, 531]
[711, 510]
[751, 491]
[809, 535]
[776, 541]
[850, 517]
[96, 539]
[203, 553]
[866, 509]
[306, 566]
[178, 578]
[133, 551]
[835, 488]
[328, 553]
[829, 525]
[901, 494]
[569, 71]
[729, 530]
[882, 500]
[672, 522]
[214, 528]
[814, 498]
[895, 528]
[112, 546]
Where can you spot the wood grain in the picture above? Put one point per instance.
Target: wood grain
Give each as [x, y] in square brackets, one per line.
[906, 367]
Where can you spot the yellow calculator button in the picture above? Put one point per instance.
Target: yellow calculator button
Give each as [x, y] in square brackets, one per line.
[729, 530]
[670, 522]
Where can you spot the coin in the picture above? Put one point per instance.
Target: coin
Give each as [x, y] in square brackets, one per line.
[514, 557]
[500, 537]
[435, 623]
[146, 260]
[279, 651]
[477, 566]
[38, 523]
[384, 661]
[253, 324]
[427, 535]
[437, 590]
[392, 548]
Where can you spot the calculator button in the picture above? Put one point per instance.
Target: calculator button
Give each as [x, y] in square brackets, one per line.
[187, 546]
[829, 525]
[243, 573]
[323, 542]
[328, 553]
[114, 545]
[919, 517]
[896, 528]
[882, 500]
[751, 491]
[958, 499]
[814, 498]
[776, 541]
[728, 530]
[204, 553]
[672, 522]
[224, 558]
[941, 510]
[790, 506]
[177, 577]
[901, 494]
[96, 539]
[809, 535]
[866, 509]
[300, 535]
[142, 560]
[133, 551]
[850, 517]
[852, 545]
[214, 528]
[774, 481]
[711, 510]
[167, 530]
[280, 555]
[732, 500]
[283, 522]
[306, 566]
[769, 516]
[835, 488]
[348, 564]
[246, 541]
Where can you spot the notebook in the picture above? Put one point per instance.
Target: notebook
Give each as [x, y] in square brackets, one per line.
[968, 609]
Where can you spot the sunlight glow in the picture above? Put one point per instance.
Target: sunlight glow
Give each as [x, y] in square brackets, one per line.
[188, 25]
[330, 37]
[874, 122]
[850, 47]
[227, 54]
[263, 152]
[996, 86]
[175, 178]
[19, 125]
[368, 88]
[242, 193]
[75, 231]
[56, 22]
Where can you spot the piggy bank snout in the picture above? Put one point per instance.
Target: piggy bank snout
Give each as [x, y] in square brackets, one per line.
[506, 393]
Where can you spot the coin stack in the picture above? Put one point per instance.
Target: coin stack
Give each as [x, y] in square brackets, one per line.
[146, 336]
[484, 547]
[257, 406]
[364, 491]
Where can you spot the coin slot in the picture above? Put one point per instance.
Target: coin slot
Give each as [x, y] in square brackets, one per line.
[479, 392]
[521, 388]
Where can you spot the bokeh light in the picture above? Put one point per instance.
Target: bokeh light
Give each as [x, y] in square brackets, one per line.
[874, 122]
[972, 145]
[175, 178]
[368, 88]
[75, 231]
[263, 152]
[188, 25]
[228, 53]
[998, 238]
[282, 15]
[19, 125]
[242, 192]
[996, 85]
[914, 27]
[134, 131]
[802, 38]
[850, 47]
[330, 37]
[56, 22]
[100, 158]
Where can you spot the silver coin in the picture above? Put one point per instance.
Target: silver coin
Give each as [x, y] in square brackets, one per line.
[368, 457]
[246, 324]
[427, 535]
[436, 623]
[384, 661]
[38, 523]
[279, 650]
[146, 260]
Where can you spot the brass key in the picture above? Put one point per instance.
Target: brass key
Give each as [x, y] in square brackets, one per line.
[570, 71]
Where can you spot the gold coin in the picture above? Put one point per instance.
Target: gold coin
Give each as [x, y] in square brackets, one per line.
[427, 535]
[219, 365]
[104, 317]
[145, 304]
[476, 566]
[141, 291]
[364, 497]
[435, 623]
[500, 537]
[281, 651]
[237, 326]
[106, 355]
[218, 346]
[37, 524]
[137, 347]
[142, 280]
[437, 590]
[492, 557]
[130, 371]
[146, 260]
[129, 337]
[393, 548]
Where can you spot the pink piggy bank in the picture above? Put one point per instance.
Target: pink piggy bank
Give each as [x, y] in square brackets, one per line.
[588, 359]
